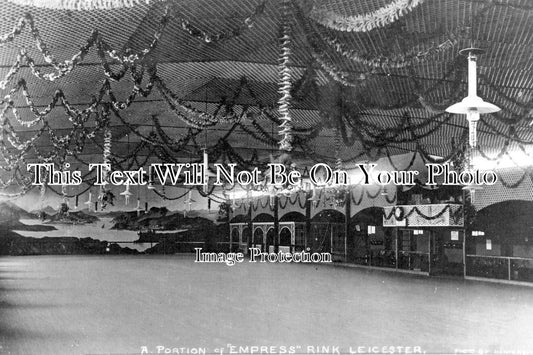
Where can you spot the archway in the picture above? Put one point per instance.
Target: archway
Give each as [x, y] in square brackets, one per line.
[368, 242]
[258, 238]
[270, 239]
[328, 233]
[285, 237]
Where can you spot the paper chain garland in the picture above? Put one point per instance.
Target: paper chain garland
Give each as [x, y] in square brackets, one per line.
[66, 67]
[365, 22]
[284, 90]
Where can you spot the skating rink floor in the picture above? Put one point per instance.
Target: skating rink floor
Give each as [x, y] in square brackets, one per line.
[133, 304]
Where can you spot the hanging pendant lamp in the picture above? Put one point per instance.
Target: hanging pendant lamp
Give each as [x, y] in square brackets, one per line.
[89, 201]
[151, 178]
[472, 105]
[188, 202]
[207, 173]
[138, 208]
[126, 193]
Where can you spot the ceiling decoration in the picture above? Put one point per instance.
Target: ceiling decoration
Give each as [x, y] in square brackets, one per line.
[368, 21]
[262, 76]
[81, 5]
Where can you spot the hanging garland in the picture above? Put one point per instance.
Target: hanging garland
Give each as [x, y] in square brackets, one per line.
[366, 22]
[191, 116]
[413, 55]
[82, 5]
[224, 35]
[79, 117]
[284, 84]
[399, 214]
[316, 44]
[396, 61]
[66, 67]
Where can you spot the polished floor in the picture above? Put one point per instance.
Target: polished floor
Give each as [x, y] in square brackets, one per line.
[120, 304]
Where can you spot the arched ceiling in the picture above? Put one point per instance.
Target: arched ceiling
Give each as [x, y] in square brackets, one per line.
[383, 90]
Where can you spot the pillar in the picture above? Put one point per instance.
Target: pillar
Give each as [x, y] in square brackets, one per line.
[347, 227]
[307, 218]
[276, 224]
[249, 224]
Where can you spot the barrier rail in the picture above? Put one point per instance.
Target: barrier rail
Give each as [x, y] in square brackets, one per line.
[500, 267]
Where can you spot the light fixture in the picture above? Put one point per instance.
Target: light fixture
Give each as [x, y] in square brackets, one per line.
[126, 193]
[472, 189]
[188, 201]
[89, 201]
[207, 172]
[315, 197]
[151, 178]
[472, 105]
[138, 208]
[233, 202]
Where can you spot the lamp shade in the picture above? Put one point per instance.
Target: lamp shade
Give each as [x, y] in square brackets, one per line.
[472, 104]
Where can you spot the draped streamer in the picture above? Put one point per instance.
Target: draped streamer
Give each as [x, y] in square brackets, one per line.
[365, 22]
[284, 89]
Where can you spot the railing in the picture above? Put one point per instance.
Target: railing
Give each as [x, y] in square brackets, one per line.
[382, 258]
[500, 267]
[413, 260]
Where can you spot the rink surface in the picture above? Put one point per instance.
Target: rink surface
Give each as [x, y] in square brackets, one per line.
[120, 304]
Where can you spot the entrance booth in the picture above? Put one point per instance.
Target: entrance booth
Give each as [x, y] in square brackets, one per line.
[328, 234]
[430, 237]
[500, 245]
[292, 232]
[263, 224]
[369, 243]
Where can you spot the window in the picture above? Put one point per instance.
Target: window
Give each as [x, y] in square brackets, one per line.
[371, 229]
[478, 233]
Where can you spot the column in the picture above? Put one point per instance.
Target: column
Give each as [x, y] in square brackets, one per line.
[276, 224]
[347, 228]
[250, 226]
[307, 230]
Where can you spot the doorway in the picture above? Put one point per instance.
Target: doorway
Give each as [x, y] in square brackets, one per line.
[447, 252]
